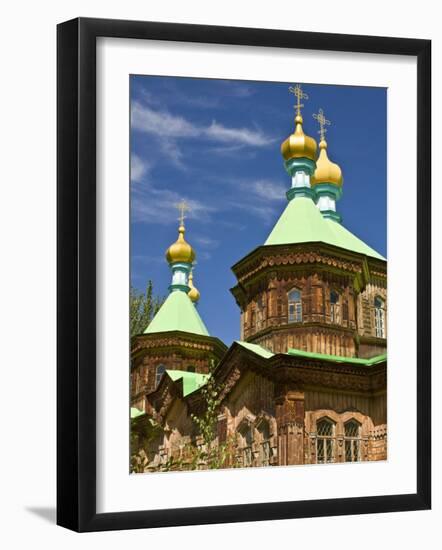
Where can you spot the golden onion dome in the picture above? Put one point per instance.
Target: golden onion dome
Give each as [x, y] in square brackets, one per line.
[180, 251]
[326, 171]
[193, 293]
[298, 144]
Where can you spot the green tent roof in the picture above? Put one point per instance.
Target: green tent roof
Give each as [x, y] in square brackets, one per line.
[302, 222]
[177, 313]
[191, 380]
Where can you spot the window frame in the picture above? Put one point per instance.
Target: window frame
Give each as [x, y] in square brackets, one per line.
[324, 439]
[264, 431]
[353, 441]
[297, 316]
[246, 445]
[379, 317]
[335, 308]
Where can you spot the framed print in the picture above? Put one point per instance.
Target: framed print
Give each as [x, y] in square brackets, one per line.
[228, 202]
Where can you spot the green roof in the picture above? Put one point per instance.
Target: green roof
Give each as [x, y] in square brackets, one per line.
[191, 380]
[177, 313]
[338, 359]
[259, 350]
[263, 352]
[302, 222]
[135, 413]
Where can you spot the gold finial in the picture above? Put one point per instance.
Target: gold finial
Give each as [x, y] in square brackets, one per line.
[323, 122]
[300, 95]
[182, 207]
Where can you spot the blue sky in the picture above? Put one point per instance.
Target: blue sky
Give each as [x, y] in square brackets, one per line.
[216, 144]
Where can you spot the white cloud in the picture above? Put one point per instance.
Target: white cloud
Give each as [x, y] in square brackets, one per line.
[161, 123]
[263, 211]
[243, 136]
[268, 189]
[154, 205]
[165, 125]
[170, 149]
[206, 241]
[138, 168]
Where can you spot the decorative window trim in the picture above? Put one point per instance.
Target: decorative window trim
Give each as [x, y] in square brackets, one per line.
[352, 443]
[335, 307]
[326, 443]
[379, 316]
[294, 316]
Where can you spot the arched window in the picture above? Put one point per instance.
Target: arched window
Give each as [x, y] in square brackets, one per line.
[161, 369]
[246, 441]
[325, 441]
[352, 433]
[335, 314]
[379, 317]
[190, 368]
[295, 306]
[264, 443]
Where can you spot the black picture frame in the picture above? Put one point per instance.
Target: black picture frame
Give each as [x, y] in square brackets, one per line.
[76, 274]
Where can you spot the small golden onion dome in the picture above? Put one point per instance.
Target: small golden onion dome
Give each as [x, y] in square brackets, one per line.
[193, 293]
[326, 171]
[299, 145]
[180, 251]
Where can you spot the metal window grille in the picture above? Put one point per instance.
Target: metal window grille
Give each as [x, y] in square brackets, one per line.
[264, 448]
[325, 442]
[352, 430]
[379, 317]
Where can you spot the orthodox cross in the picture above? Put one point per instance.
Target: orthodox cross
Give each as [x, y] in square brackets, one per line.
[183, 207]
[323, 122]
[300, 95]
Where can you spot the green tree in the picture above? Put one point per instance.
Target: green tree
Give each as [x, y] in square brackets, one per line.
[208, 420]
[213, 453]
[143, 307]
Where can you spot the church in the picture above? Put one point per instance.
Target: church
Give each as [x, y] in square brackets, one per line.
[305, 383]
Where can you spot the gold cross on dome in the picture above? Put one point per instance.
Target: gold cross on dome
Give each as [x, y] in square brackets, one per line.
[300, 95]
[183, 207]
[323, 122]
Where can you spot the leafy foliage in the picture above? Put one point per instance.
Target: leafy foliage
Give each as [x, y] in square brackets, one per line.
[143, 307]
[206, 423]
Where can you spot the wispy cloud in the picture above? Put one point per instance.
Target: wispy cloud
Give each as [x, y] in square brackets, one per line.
[262, 211]
[139, 168]
[146, 259]
[153, 205]
[267, 189]
[241, 136]
[205, 241]
[163, 124]
[235, 89]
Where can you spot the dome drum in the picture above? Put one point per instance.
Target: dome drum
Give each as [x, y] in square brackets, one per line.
[327, 190]
[299, 164]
